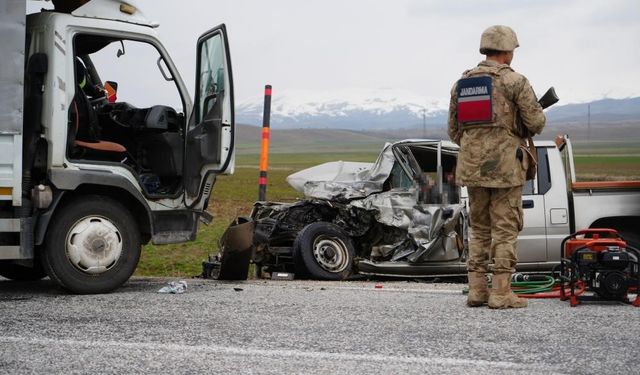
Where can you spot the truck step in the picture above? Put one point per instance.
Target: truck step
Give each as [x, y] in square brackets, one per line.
[10, 225]
[10, 252]
[17, 238]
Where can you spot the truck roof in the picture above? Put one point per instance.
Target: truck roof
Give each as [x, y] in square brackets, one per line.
[116, 10]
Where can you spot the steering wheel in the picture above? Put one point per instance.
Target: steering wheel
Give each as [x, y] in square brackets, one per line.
[115, 112]
[98, 103]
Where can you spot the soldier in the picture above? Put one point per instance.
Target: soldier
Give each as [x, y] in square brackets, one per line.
[485, 105]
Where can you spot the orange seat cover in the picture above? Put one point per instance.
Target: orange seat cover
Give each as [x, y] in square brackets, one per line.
[102, 146]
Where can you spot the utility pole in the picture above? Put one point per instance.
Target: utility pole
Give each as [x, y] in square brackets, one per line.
[424, 122]
[589, 127]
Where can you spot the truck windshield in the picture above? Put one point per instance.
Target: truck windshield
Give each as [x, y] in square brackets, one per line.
[140, 82]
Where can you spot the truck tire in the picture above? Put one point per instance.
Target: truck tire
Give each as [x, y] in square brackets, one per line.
[92, 245]
[325, 251]
[18, 272]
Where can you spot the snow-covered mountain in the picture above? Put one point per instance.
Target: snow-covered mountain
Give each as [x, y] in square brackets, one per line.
[356, 109]
[390, 109]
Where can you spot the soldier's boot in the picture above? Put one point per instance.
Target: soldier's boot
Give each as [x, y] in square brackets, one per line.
[501, 296]
[478, 290]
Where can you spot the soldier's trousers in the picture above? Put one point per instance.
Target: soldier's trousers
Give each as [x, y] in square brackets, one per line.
[495, 216]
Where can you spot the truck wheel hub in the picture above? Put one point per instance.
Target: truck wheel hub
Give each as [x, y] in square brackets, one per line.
[331, 254]
[93, 245]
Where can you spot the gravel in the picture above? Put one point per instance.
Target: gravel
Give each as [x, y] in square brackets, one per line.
[305, 327]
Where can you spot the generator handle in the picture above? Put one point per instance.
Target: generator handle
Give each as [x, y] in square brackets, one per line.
[605, 231]
[606, 242]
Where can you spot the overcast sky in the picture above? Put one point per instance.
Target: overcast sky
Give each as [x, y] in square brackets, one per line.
[587, 49]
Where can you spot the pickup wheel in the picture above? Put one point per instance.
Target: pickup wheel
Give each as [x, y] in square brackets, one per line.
[325, 251]
[17, 272]
[632, 238]
[92, 245]
[626, 227]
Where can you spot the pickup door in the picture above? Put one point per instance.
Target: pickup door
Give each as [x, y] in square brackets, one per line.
[532, 244]
[210, 137]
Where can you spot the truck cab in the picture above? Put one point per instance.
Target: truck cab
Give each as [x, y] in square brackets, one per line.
[107, 150]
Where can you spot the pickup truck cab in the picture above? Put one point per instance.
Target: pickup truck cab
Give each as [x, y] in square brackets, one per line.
[90, 171]
[403, 216]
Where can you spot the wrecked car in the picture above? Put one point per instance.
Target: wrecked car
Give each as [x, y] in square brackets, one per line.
[400, 216]
[404, 216]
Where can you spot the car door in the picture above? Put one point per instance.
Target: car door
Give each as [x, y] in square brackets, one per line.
[532, 244]
[209, 141]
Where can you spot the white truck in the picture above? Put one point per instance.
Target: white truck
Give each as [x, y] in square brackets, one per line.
[86, 179]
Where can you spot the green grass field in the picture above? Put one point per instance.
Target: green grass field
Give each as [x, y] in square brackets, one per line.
[234, 196]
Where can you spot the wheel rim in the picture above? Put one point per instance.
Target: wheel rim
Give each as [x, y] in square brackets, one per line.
[330, 253]
[93, 245]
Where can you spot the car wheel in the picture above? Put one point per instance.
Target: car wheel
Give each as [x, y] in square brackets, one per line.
[92, 245]
[18, 272]
[325, 251]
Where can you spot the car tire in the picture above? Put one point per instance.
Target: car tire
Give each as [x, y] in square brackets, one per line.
[325, 251]
[18, 272]
[92, 245]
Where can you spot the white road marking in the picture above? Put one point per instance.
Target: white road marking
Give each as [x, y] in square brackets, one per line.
[403, 290]
[276, 353]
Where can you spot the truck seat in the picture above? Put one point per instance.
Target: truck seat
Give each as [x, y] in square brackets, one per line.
[95, 145]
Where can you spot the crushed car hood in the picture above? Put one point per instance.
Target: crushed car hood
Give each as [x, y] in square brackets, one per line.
[341, 180]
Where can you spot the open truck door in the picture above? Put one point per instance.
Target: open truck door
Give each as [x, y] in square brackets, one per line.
[210, 136]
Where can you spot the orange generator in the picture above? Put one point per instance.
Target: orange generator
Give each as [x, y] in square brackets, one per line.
[602, 260]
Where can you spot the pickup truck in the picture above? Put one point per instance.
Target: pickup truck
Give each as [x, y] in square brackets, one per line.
[403, 215]
[91, 171]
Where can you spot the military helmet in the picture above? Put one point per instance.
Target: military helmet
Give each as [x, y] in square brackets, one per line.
[498, 38]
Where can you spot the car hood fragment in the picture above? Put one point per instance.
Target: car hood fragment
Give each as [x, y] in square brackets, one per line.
[343, 181]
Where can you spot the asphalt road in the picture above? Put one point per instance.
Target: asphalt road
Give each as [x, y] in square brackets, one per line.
[303, 327]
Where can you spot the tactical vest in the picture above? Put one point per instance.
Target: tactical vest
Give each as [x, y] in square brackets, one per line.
[478, 98]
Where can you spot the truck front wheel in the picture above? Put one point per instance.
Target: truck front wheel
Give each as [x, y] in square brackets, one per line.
[92, 245]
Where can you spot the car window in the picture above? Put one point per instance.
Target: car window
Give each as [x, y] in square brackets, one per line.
[398, 178]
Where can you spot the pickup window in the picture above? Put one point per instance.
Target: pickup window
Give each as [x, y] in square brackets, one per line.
[544, 174]
[543, 177]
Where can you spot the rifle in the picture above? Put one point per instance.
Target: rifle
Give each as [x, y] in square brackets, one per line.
[547, 100]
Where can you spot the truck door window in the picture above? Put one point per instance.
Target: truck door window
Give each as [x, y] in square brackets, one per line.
[212, 73]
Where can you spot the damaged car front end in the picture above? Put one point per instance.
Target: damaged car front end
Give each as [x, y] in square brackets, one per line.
[400, 216]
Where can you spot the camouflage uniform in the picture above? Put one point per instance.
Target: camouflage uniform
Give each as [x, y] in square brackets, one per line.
[490, 165]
